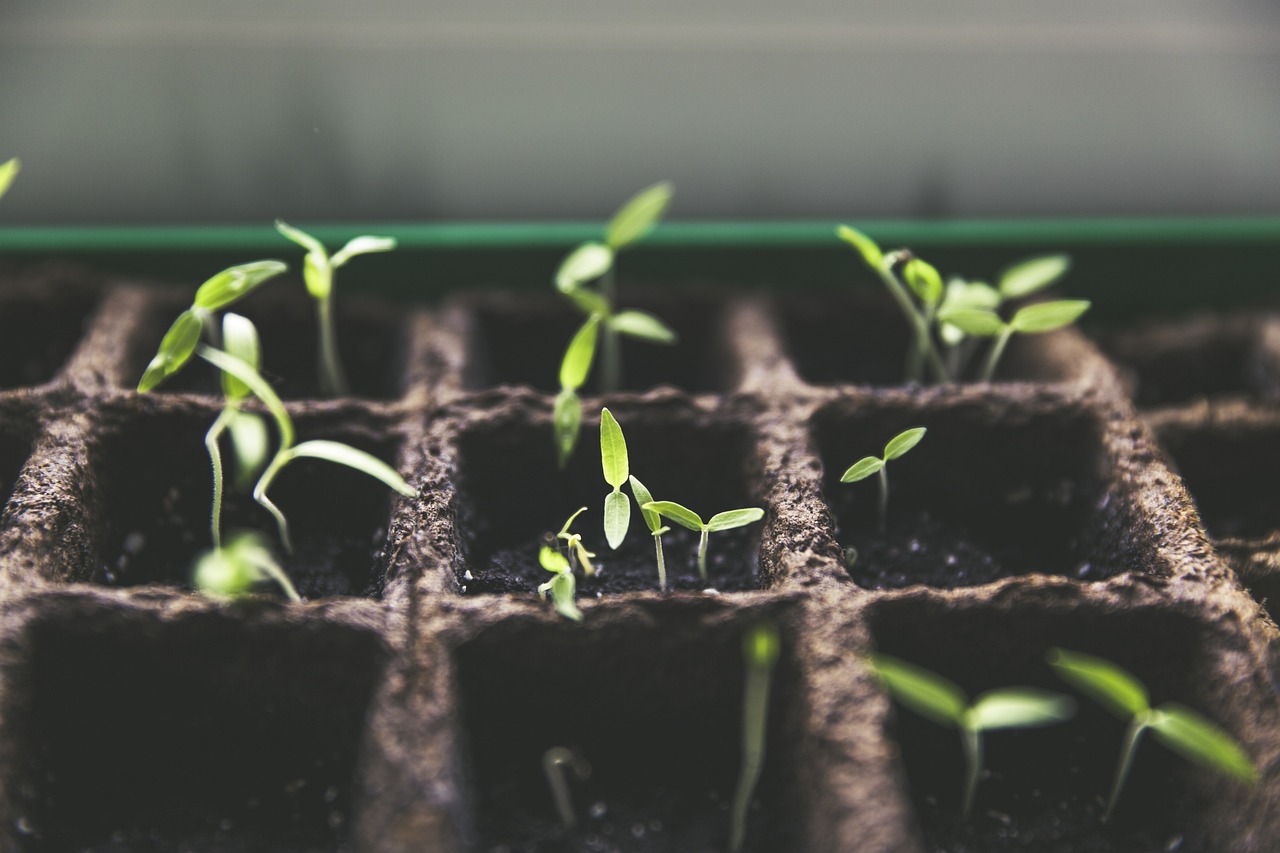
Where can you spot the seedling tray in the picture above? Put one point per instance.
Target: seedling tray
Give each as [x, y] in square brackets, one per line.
[406, 704]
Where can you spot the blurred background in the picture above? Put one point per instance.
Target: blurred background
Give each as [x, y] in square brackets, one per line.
[154, 111]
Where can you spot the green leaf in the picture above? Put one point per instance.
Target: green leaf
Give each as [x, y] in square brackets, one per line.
[564, 531]
[638, 324]
[1195, 738]
[302, 238]
[234, 283]
[613, 450]
[922, 691]
[258, 385]
[578, 357]
[175, 350]
[589, 302]
[567, 420]
[617, 518]
[924, 280]
[638, 215]
[761, 645]
[317, 274]
[970, 294]
[651, 519]
[8, 171]
[1032, 275]
[552, 560]
[251, 444]
[240, 339]
[563, 588]
[1101, 680]
[586, 263]
[973, 321]
[862, 469]
[1019, 708]
[865, 245]
[1048, 316]
[902, 442]
[672, 510]
[344, 454]
[734, 518]
[365, 245]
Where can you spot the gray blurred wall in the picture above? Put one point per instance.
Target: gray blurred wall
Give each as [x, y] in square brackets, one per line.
[241, 110]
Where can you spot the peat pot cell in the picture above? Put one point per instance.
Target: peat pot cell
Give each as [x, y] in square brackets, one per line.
[1205, 356]
[38, 334]
[993, 491]
[859, 338]
[523, 343]
[207, 734]
[371, 346]
[512, 496]
[1045, 790]
[654, 709]
[155, 493]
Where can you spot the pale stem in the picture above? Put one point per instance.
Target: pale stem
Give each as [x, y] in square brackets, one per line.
[332, 380]
[755, 712]
[554, 761]
[611, 344]
[884, 498]
[997, 349]
[277, 574]
[924, 342]
[260, 495]
[972, 740]
[662, 563]
[1127, 751]
[702, 555]
[215, 457]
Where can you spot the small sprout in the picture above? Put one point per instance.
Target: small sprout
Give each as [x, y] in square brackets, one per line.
[1176, 726]
[574, 369]
[573, 542]
[554, 761]
[720, 521]
[562, 585]
[233, 569]
[8, 171]
[760, 648]
[653, 521]
[613, 459]
[1031, 320]
[868, 465]
[317, 272]
[942, 702]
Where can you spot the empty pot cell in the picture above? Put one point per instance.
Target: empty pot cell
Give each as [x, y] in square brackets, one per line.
[997, 488]
[40, 325]
[1046, 789]
[512, 496]
[206, 732]
[861, 338]
[655, 709]
[371, 346]
[1173, 362]
[521, 341]
[154, 488]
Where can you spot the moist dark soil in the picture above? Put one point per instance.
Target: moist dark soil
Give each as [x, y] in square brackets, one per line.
[38, 333]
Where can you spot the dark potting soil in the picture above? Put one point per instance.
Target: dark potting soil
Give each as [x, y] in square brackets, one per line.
[37, 338]
[1230, 471]
[732, 565]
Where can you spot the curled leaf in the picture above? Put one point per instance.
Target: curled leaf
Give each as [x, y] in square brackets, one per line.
[552, 560]
[924, 280]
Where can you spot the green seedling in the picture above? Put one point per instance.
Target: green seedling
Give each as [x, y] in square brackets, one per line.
[233, 569]
[562, 585]
[574, 546]
[653, 521]
[613, 459]
[760, 648]
[317, 272]
[596, 261]
[1032, 320]
[720, 521]
[554, 762]
[8, 171]
[941, 701]
[1176, 726]
[574, 370]
[288, 451]
[868, 465]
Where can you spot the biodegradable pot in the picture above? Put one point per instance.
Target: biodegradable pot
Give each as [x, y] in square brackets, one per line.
[406, 705]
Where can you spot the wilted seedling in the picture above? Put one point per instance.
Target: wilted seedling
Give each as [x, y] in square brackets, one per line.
[760, 648]
[613, 459]
[1032, 320]
[868, 465]
[1176, 726]
[562, 585]
[554, 762]
[317, 271]
[720, 521]
[8, 171]
[574, 546]
[574, 369]
[233, 569]
[941, 701]
[653, 521]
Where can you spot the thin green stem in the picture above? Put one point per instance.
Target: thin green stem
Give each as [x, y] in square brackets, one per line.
[972, 741]
[924, 341]
[662, 563]
[755, 712]
[884, 498]
[333, 381]
[702, 555]
[611, 342]
[1127, 750]
[260, 495]
[215, 458]
[997, 349]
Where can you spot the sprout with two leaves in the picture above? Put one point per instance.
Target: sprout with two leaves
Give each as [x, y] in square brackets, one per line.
[868, 465]
[1176, 726]
[1034, 319]
[656, 528]
[687, 518]
[593, 261]
[574, 547]
[317, 272]
[941, 701]
[8, 171]
[562, 586]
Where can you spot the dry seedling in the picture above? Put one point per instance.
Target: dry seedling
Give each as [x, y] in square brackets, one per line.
[574, 546]
[868, 465]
